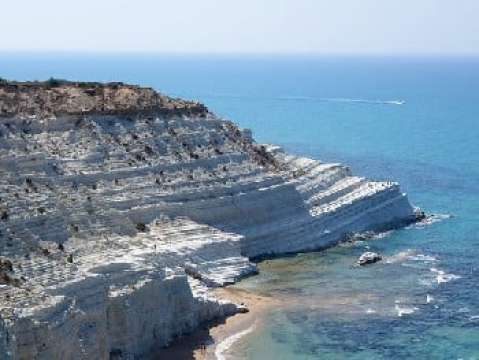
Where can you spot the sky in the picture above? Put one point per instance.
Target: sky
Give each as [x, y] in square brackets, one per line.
[246, 26]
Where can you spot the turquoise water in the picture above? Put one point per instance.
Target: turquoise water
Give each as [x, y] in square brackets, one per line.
[409, 119]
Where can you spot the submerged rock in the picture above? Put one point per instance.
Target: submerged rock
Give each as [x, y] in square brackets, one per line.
[369, 258]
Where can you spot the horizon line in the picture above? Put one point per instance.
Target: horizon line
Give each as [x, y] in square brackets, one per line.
[238, 54]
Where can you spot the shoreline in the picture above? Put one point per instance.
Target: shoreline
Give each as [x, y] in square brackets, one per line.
[239, 325]
[212, 340]
[227, 343]
[223, 333]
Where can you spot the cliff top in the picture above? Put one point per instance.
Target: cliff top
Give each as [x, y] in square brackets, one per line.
[61, 97]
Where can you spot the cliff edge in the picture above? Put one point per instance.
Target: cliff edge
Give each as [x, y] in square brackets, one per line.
[61, 97]
[120, 208]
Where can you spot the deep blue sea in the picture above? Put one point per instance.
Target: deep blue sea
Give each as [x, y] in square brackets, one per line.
[414, 120]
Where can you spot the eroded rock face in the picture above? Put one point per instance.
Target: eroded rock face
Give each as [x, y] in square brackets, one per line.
[108, 193]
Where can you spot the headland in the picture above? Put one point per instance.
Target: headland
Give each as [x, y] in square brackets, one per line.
[122, 210]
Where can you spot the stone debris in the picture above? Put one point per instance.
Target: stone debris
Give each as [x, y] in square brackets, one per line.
[120, 208]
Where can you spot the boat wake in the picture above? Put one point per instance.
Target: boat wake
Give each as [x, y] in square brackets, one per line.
[364, 101]
[345, 100]
[312, 98]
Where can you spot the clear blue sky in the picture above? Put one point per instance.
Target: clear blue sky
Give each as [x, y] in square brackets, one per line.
[243, 26]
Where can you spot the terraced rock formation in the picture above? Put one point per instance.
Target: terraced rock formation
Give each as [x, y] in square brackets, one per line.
[120, 208]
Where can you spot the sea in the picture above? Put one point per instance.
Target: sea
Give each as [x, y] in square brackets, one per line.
[414, 120]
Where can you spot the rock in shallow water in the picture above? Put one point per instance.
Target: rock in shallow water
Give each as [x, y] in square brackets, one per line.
[369, 258]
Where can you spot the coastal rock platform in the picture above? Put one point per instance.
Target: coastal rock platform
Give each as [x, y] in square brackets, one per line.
[120, 208]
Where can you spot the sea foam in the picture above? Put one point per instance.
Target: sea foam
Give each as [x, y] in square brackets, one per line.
[431, 219]
[443, 277]
[223, 346]
[405, 310]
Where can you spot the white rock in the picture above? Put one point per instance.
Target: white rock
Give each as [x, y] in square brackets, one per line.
[136, 203]
[369, 258]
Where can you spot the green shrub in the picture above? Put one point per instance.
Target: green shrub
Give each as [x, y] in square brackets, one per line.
[52, 82]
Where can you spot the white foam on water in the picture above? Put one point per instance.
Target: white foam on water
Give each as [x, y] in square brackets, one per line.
[427, 281]
[359, 239]
[422, 257]
[381, 235]
[400, 256]
[409, 255]
[443, 277]
[405, 310]
[223, 346]
[431, 219]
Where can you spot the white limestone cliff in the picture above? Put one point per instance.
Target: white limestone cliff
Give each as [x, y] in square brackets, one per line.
[119, 212]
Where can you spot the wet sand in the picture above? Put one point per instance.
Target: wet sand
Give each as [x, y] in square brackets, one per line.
[203, 343]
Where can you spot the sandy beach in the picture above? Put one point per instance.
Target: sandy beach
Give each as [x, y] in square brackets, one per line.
[213, 340]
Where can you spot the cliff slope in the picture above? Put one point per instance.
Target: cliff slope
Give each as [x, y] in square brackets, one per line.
[120, 207]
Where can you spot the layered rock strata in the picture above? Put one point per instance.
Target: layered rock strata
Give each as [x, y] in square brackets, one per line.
[120, 208]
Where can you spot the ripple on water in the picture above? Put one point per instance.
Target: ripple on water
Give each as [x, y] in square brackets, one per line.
[338, 303]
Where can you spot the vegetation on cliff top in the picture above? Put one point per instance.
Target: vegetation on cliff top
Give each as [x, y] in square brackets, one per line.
[59, 96]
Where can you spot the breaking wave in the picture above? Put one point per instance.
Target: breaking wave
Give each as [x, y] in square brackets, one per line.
[223, 346]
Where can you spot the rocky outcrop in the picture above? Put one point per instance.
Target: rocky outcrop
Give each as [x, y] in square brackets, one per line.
[369, 258]
[120, 208]
[60, 97]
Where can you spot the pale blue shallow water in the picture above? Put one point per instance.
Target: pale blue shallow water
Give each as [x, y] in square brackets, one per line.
[407, 119]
